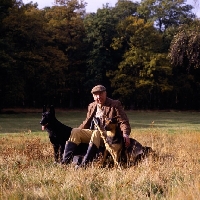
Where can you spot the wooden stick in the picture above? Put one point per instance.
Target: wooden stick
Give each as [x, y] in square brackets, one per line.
[106, 143]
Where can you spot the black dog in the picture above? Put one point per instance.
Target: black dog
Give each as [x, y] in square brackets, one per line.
[59, 134]
[136, 152]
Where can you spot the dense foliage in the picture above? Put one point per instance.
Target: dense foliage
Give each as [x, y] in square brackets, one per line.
[147, 54]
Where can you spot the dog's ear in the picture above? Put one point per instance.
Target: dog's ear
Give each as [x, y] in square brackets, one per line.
[114, 119]
[52, 110]
[118, 116]
[44, 109]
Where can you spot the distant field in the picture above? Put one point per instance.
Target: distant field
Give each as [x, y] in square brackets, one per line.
[171, 121]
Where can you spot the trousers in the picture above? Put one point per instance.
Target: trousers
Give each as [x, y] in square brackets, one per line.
[86, 136]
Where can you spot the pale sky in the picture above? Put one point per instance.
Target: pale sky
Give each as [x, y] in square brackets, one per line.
[93, 5]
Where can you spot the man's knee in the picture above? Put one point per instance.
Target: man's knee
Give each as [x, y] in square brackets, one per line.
[75, 136]
[80, 135]
[96, 137]
[96, 134]
[75, 132]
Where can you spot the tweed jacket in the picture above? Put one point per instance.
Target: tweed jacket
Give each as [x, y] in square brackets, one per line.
[112, 108]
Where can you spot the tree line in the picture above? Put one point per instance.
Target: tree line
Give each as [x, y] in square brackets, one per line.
[146, 54]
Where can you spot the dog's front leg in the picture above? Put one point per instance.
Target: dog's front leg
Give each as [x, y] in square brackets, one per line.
[116, 160]
[56, 152]
[62, 148]
[127, 158]
[104, 157]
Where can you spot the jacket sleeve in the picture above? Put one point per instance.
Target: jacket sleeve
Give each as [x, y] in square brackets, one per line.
[123, 119]
[90, 113]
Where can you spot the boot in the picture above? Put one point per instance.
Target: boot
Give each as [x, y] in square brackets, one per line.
[68, 152]
[90, 155]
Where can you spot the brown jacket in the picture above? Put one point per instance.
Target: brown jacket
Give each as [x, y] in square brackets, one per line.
[112, 109]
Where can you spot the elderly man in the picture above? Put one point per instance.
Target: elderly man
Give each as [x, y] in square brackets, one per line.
[102, 106]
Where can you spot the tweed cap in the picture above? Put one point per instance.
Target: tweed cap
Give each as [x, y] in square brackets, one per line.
[98, 88]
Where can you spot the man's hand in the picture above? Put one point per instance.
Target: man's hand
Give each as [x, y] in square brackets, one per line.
[126, 140]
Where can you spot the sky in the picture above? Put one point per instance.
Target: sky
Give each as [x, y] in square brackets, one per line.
[93, 5]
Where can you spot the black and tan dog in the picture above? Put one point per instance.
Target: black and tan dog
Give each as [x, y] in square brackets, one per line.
[59, 134]
[112, 138]
[115, 145]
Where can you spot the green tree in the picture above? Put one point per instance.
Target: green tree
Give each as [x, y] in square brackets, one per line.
[125, 8]
[65, 25]
[166, 13]
[144, 68]
[185, 47]
[42, 55]
[30, 56]
[100, 29]
[8, 71]
[184, 55]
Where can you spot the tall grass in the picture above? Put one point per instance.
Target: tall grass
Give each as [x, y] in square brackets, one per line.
[27, 170]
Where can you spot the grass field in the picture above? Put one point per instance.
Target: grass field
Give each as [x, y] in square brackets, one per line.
[27, 170]
[170, 121]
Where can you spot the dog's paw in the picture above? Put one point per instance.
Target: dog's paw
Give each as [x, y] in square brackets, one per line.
[56, 162]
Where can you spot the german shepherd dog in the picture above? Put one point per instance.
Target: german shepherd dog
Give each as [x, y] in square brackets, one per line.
[115, 145]
[112, 138]
[58, 134]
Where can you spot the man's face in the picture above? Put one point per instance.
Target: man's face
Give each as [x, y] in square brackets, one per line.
[100, 97]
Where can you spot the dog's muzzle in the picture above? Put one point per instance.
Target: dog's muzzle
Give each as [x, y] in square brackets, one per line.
[43, 126]
[107, 128]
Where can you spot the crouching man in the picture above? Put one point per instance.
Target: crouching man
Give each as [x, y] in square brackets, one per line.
[101, 107]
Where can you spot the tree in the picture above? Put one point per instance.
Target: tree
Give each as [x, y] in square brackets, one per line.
[42, 55]
[125, 8]
[184, 55]
[65, 25]
[185, 47]
[8, 70]
[166, 13]
[144, 67]
[100, 29]
[30, 57]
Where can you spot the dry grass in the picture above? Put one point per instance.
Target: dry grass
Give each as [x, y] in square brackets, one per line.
[27, 170]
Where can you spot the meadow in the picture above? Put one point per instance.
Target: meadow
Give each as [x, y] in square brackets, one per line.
[27, 170]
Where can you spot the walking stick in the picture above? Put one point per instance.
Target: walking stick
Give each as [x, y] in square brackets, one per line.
[108, 148]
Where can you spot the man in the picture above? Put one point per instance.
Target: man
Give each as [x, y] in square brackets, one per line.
[102, 106]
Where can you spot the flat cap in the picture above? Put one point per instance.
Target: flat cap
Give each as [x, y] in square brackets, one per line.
[98, 88]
